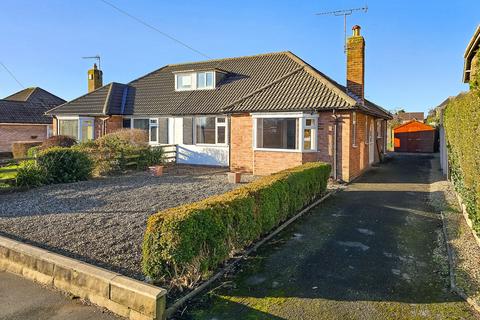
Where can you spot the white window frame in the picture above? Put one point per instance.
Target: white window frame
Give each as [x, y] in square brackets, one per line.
[301, 127]
[354, 129]
[80, 121]
[194, 76]
[217, 124]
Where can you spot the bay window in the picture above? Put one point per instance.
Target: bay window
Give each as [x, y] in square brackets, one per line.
[291, 133]
[80, 128]
[211, 130]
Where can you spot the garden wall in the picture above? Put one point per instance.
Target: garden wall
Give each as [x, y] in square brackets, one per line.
[185, 243]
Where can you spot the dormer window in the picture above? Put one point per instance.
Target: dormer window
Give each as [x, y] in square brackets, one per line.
[184, 81]
[201, 80]
[205, 80]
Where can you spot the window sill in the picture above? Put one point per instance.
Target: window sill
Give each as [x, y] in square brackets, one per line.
[211, 144]
[276, 150]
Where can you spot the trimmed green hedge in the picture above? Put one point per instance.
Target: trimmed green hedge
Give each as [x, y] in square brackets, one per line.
[462, 127]
[184, 243]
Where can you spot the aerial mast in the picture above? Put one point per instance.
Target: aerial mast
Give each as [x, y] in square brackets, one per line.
[97, 57]
[344, 13]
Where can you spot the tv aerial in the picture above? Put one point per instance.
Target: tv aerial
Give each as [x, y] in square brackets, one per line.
[344, 13]
[97, 57]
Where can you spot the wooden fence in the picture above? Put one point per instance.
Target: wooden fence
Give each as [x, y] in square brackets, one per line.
[170, 156]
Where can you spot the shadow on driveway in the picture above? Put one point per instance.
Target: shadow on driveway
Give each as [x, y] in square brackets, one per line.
[373, 251]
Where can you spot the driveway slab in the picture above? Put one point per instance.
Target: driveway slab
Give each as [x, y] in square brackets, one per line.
[373, 251]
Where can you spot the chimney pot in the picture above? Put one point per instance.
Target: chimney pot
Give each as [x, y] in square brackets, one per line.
[356, 30]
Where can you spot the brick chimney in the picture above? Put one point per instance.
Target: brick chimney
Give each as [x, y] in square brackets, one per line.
[356, 64]
[95, 80]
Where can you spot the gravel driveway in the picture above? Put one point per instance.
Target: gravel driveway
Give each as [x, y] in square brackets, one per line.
[102, 221]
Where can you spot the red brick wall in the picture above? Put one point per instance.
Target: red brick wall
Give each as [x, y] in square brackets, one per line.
[241, 154]
[12, 133]
[268, 162]
[351, 160]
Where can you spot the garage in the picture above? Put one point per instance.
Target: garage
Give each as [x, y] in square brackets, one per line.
[414, 136]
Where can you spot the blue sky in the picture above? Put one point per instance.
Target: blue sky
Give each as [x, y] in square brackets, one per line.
[414, 49]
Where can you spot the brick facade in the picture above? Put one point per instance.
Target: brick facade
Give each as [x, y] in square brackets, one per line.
[352, 158]
[356, 63]
[11, 133]
[241, 141]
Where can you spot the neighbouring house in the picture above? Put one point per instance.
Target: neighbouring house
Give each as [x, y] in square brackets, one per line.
[258, 114]
[471, 58]
[404, 117]
[22, 116]
[414, 136]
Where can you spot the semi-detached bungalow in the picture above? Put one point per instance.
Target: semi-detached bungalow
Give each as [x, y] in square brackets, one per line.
[22, 116]
[259, 114]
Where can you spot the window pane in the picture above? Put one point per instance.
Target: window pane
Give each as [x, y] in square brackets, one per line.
[141, 124]
[220, 120]
[68, 128]
[184, 81]
[201, 81]
[309, 122]
[307, 139]
[205, 130]
[127, 123]
[277, 133]
[209, 79]
[87, 130]
[221, 134]
[153, 134]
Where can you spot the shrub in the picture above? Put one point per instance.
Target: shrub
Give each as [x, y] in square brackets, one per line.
[123, 140]
[30, 174]
[462, 128]
[33, 151]
[65, 164]
[150, 157]
[181, 244]
[20, 148]
[59, 141]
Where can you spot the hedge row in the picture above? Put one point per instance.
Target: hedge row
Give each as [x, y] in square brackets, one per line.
[462, 127]
[183, 244]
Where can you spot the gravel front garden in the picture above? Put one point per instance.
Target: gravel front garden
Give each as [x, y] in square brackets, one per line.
[102, 221]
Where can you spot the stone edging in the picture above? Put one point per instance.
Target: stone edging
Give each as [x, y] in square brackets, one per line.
[124, 296]
[465, 215]
[178, 303]
[451, 268]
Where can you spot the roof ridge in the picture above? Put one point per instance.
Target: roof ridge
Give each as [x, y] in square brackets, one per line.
[107, 99]
[264, 87]
[31, 93]
[229, 58]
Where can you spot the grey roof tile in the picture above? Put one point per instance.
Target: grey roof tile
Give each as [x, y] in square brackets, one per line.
[267, 82]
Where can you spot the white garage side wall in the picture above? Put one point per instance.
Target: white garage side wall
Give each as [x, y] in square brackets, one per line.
[197, 154]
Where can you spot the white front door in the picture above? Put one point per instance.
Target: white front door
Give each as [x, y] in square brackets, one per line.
[371, 144]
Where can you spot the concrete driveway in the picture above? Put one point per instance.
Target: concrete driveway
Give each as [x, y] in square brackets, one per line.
[22, 299]
[373, 251]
